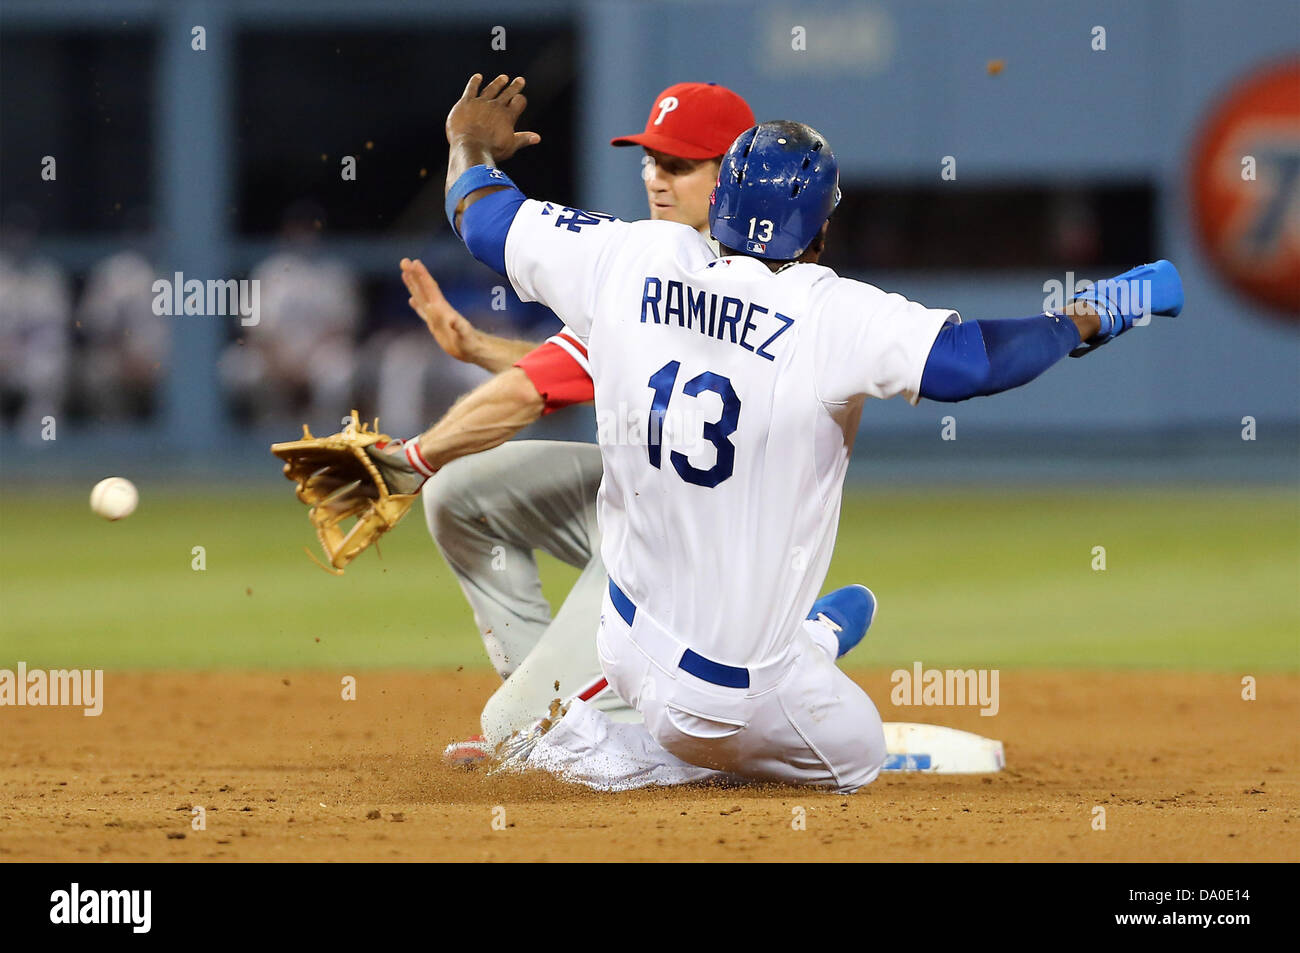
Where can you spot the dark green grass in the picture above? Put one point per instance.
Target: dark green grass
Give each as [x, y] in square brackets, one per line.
[1195, 579]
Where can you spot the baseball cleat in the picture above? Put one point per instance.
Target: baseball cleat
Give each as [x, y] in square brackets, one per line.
[468, 753]
[513, 753]
[848, 612]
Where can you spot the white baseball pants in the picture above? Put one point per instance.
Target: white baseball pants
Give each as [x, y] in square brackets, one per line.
[800, 721]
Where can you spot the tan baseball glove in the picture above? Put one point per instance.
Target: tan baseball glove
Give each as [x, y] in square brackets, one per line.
[352, 473]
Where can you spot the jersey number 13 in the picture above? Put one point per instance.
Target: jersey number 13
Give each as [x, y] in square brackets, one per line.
[717, 433]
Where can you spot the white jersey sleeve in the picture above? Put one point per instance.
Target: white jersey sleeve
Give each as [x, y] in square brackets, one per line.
[870, 343]
[558, 255]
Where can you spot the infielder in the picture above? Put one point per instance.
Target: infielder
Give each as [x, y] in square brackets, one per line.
[704, 625]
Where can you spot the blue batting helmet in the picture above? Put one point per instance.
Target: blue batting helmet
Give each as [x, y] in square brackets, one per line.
[778, 184]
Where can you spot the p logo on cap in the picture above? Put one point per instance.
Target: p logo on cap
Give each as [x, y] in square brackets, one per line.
[692, 121]
[666, 105]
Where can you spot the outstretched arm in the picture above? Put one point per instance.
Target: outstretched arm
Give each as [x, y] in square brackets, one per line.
[987, 357]
[481, 131]
[486, 417]
[978, 358]
[452, 330]
[556, 253]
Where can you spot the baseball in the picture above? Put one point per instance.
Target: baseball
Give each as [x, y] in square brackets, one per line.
[114, 498]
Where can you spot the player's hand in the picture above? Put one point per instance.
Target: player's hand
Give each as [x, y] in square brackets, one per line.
[449, 327]
[1132, 298]
[488, 117]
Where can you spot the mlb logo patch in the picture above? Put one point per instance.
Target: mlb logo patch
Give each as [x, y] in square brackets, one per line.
[757, 247]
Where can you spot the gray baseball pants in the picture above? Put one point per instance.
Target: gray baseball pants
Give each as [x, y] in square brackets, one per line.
[488, 513]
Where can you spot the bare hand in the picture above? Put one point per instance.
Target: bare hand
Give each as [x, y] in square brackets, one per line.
[488, 118]
[449, 327]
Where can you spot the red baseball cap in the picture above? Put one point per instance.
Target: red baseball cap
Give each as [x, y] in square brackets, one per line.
[693, 121]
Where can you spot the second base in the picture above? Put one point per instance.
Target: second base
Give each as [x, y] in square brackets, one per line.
[938, 750]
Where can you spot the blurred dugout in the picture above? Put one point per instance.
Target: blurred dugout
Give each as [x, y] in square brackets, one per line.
[300, 356]
[35, 328]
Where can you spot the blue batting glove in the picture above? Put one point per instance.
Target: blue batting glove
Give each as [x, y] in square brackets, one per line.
[1132, 298]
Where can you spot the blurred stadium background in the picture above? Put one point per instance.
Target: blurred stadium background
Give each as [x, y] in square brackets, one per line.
[225, 162]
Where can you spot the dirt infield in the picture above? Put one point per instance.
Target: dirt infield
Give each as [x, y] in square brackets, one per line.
[287, 770]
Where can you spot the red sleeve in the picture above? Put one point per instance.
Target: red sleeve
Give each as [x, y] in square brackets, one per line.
[559, 370]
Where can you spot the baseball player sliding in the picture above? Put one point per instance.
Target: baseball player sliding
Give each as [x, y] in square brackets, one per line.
[749, 374]
[488, 513]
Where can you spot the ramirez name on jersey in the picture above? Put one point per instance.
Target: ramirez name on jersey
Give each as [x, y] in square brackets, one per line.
[726, 318]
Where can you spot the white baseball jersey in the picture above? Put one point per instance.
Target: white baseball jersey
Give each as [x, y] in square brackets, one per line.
[727, 400]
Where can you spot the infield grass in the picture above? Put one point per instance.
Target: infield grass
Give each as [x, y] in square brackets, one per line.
[1195, 579]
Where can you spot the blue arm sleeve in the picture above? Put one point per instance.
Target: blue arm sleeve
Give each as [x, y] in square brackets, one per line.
[985, 357]
[484, 226]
